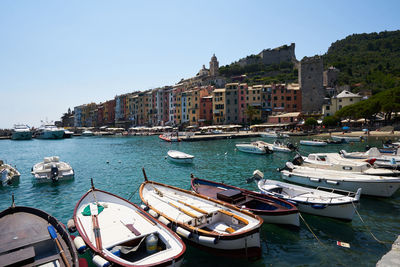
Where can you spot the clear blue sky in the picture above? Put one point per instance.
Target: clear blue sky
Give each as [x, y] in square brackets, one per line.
[60, 54]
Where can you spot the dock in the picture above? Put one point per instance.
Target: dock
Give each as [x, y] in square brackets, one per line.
[208, 137]
[392, 258]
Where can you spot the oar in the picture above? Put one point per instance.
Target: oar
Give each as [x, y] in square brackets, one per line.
[53, 235]
[179, 208]
[95, 221]
[243, 220]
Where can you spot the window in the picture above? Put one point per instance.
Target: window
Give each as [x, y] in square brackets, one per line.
[288, 98]
[282, 105]
[351, 99]
[340, 100]
[282, 98]
[340, 106]
[328, 108]
[275, 98]
[254, 98]
[241, 98]
[295, 97]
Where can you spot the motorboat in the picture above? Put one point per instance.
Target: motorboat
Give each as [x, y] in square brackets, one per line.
[313, 142]
[21, 132]
[169, 137]
[333, 161]
[320, 201]
[8, 174]
[49, 131]
[270, 209]
[87, 133]
[373, 185]
[346, 139]
[179, 157]
[32, 237]
[274, 134]
[380, 159]
[51, 169]
[254, 148]
[278, 146]
[68, 133]
[120, 233]
[209, 224]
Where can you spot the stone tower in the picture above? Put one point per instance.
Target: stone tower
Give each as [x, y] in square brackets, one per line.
[311, 84]
[214, 66]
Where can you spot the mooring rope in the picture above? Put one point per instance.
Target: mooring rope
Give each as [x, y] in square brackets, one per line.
[369, 230]
[134, 192]
[309, 228]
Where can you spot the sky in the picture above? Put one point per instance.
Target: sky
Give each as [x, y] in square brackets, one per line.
[56, 55]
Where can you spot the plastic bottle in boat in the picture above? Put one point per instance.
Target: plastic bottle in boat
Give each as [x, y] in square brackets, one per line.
[151, 243]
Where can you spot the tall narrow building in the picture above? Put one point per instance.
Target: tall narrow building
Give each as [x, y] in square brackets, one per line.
[311, 84]
[214, 66]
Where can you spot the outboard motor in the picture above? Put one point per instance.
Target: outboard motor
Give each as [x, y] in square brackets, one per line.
[267, 150]
[291, 146]
[54, 173]
[257, 175]
[298, 160]
[367, 147]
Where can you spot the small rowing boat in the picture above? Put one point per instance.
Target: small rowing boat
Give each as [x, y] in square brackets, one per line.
[179, 157]
[346, 139]
[169, 137]
[313, 143]
[270, 209]
[121, 233]
[207, 223]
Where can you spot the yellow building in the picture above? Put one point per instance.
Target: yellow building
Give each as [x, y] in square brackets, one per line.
[193, 100]
[254, 99]
[178, 108]
[345, 98]
[219, 111]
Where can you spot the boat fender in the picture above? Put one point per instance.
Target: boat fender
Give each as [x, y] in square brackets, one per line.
[183, 232]
[164, 220]
[319, 206]
[151, 243]
[80, 244]
[207, 240]
[144, 207]
[153, 213]
[71, 226]
[100, 262]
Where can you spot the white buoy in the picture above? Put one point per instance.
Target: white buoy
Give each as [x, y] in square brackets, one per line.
[100, 262]
[153, 213]
[164, 220]
[144, 207]
[183, 232]
[71, 226]
[80, 244]
[207, 240]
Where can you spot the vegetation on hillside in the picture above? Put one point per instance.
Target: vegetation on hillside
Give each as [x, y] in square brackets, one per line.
[367, 61]
[261, 74]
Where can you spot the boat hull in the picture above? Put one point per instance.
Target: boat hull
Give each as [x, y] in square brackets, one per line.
[346, 139]
[180, 160]
[50, 135]
[21, 136]
[250, 149]
[312, 143]
[377, 188]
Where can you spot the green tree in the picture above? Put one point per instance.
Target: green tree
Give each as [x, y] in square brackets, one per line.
[251, 112]
[330, 121]
[311, 122]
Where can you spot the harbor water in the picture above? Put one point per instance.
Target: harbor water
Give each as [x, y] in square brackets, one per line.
[115, 164]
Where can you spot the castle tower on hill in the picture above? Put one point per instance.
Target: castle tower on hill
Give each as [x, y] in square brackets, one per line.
[214, 66]
[311, 83]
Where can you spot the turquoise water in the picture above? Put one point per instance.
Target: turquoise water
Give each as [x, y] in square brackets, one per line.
[216, 160]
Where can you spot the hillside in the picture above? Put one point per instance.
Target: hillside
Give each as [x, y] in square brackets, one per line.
[367, 61]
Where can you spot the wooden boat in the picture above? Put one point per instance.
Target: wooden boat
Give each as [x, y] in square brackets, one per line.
[179, 157]
[270, 209]
[8, 174]
[169, 137]
[32, 237]
[51, 169]
[321, 201]
[207, 223]
[373, 185]
[346, 139]
[121, 233]
[313, 142]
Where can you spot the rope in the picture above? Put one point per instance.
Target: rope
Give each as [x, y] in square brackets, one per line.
[134, 192]
[369, 230]
[309, 228]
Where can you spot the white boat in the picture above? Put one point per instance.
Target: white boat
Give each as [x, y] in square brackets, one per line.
[21, 132]
[278, 146]
[373, 185]
[210, 224]
[254, 148]
[273, 134]
[8, 174]
[68, 133]
[313, 143]
[346, 139]
[122, 234]
[180, 157]
[49, 131]
[87, 133]
[333, 161]
[52, 170]
[321, 201]
[379, 159]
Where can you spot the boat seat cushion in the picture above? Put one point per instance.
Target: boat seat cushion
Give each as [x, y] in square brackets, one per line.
[18, 257]
[230, 196]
